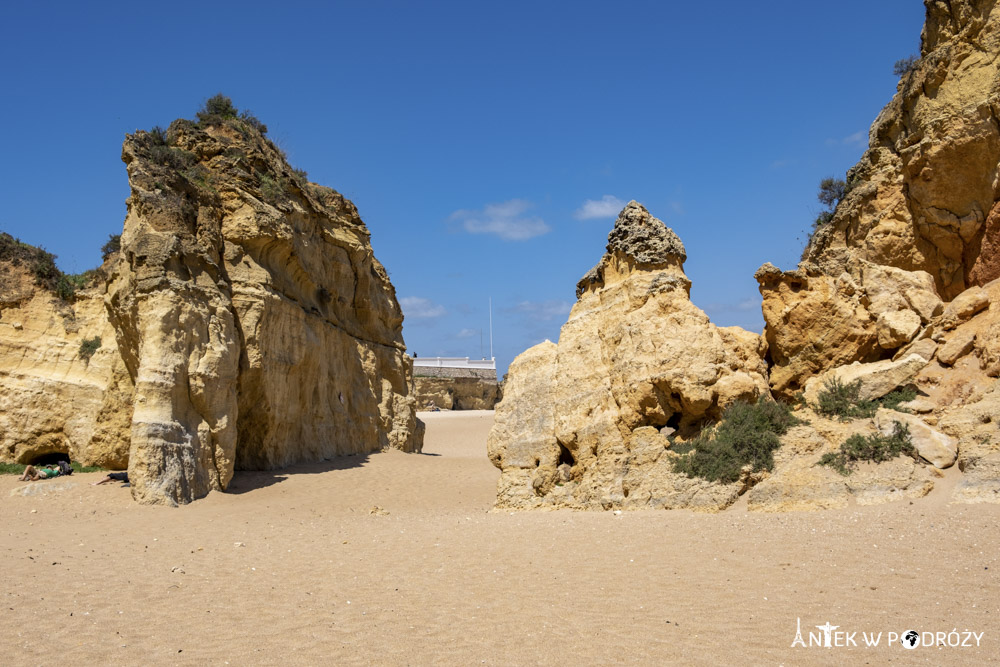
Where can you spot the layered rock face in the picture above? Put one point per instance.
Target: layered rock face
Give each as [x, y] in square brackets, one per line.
[900, 289]
[920, 218]
[459, 393]
[257, 324]
[635, 356]
[245, 324]
[55, 398]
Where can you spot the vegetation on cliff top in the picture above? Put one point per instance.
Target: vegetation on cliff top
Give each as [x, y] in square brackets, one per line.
[219, 111]
[746, 435]
[42, 265]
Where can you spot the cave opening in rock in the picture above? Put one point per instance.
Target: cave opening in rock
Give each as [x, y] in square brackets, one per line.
[674, 421]
[49, 458]
[566, 456]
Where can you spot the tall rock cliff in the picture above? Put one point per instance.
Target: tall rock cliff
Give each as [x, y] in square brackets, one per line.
[246, 322]
[634, 357]
[920, 222]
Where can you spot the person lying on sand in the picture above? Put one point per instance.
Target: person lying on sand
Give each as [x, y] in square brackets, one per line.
[113, 477]
[33, 474]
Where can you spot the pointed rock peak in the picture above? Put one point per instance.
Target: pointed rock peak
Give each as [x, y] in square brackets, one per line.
[642, 242]
[644, 238]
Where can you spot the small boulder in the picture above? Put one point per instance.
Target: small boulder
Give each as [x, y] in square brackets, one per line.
[933, 446]
[956, 347]
[919, 406]
[896, 328]
[877, 378]
[963, 307]
[925, 347]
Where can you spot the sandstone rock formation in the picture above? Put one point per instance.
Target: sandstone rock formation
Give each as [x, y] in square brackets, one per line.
[922, 207]
[245, 324]
[898, 288]
[53, 397]
[874, 380]
[935, 447]
[799, 483]
[635, 356]
[457, 393]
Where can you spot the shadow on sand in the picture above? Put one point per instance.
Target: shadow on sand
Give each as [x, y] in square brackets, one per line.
[245, 481]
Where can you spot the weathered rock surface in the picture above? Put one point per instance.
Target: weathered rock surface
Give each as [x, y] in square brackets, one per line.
[799, 483]
[636, 355]
[935, 447]
[965, 305]
[956, 347]
[245, 324]
[53, 399]
[252, 314]
[922, 202]
[457, 393]
[973, 423]
[875, 379]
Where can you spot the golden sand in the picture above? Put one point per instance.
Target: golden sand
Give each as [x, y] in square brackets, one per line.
[397, 559]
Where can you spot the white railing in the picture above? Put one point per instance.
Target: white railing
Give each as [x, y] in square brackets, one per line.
[455, 362]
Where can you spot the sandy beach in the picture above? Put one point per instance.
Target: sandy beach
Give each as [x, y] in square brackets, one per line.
[398, 559]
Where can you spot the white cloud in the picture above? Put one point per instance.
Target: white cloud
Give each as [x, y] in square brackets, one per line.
[467, 333]
[784, 162]
[859, 138]
[420, 308]
[747, 305]
[506, 220]
[543, 310]
[856, 138]
[607, 206]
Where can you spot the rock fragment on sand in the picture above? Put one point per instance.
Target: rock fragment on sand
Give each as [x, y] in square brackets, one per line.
[933, 446]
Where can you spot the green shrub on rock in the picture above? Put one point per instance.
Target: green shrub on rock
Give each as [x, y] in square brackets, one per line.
[746, 435]
[88, 346]
[841, 400]
[874, 448]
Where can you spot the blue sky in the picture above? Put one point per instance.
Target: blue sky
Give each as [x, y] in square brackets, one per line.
[487, 145]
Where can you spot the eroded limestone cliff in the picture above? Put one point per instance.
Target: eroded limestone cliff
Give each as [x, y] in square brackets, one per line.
[899, 289]
[245, 324]
[63, 386]
[921, 217]
[635, 357]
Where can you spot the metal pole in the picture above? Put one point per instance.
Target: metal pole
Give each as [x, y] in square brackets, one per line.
[491, 328]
